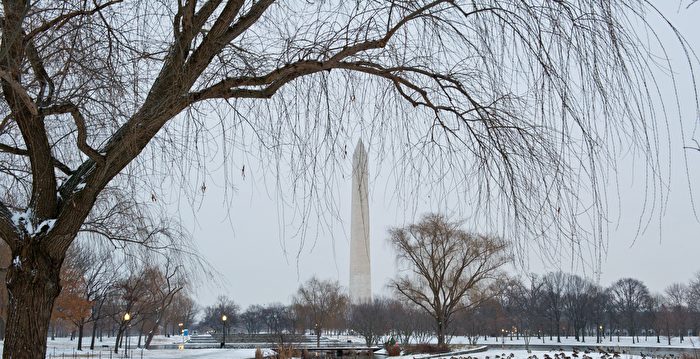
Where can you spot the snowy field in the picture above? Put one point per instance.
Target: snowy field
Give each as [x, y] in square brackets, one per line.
[496, 353]
[65, 348]
[499, 348]
[688, 342]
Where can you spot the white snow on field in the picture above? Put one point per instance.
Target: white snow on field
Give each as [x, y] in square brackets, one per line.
[505, 353]
[65, 348]
[688, 342]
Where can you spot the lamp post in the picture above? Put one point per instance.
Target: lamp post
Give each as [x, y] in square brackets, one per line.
[503, 336]
[182, 333]
[318, 335]
[223, 341]
[127, 318]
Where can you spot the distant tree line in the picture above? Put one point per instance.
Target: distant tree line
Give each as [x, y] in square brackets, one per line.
[96, 296]
[560, 304]
[450, 282]
[554, 306]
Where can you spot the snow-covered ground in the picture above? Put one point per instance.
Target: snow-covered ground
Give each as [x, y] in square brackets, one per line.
[65, 348]
[688, 342]
[497, 353]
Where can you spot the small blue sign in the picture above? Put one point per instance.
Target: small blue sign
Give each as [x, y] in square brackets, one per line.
[186, 332]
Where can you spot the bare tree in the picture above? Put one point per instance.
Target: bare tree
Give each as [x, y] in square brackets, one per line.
[129, 292]
[252, 319]
[693, 298]
[676, 297]
[87, 87]
[276, 318]
[213, 314]
[97, 275]
[164, 283]
[447, 267]
[404, 320]
[629, 297]
[320, 302]
[370, 320]
[553, 298]
[579, 304]
[526, 302]
[182, 311]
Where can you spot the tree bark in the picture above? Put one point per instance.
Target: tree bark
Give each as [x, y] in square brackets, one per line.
[117, 342]
[81, 326]
[33, 284]
[440, 333]
[94, 331]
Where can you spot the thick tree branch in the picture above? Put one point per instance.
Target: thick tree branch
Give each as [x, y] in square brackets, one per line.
[25, 112]
[218, 36]
[19, 92]
[41, 74]
[79, 120]
[247, 20]
[22, 152]
[271, 82]
[8, 231]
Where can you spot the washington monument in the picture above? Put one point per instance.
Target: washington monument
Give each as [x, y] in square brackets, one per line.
[360, 273]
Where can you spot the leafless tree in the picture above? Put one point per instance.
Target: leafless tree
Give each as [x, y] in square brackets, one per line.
[276, 317]
[503, 103]
[553, 298]
[404, 320]
[213, 314]
[629, 298]
[447, 268]
[370, 320]
[129, 298]
[526, 299]
[321, 302]
[165, 282]
[579, 301]
[676, 297]
[252, 319]
[98, 276]
[182, 311]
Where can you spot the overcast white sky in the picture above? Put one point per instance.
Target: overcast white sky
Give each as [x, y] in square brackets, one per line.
[246, 243]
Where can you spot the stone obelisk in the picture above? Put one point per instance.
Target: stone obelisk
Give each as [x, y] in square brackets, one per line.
[360, 273]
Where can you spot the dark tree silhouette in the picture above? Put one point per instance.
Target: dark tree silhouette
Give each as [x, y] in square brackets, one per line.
[629, 298]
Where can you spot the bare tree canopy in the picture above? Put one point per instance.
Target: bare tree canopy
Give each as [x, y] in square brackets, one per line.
[517, 106]
[629, 297]
[447, 268]
[370, 319]
[321, 302]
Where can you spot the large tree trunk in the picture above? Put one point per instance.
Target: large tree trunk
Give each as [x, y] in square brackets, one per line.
[81, 326]
[440, 333]
[117, 342]
[94, 332]
[33, 284]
